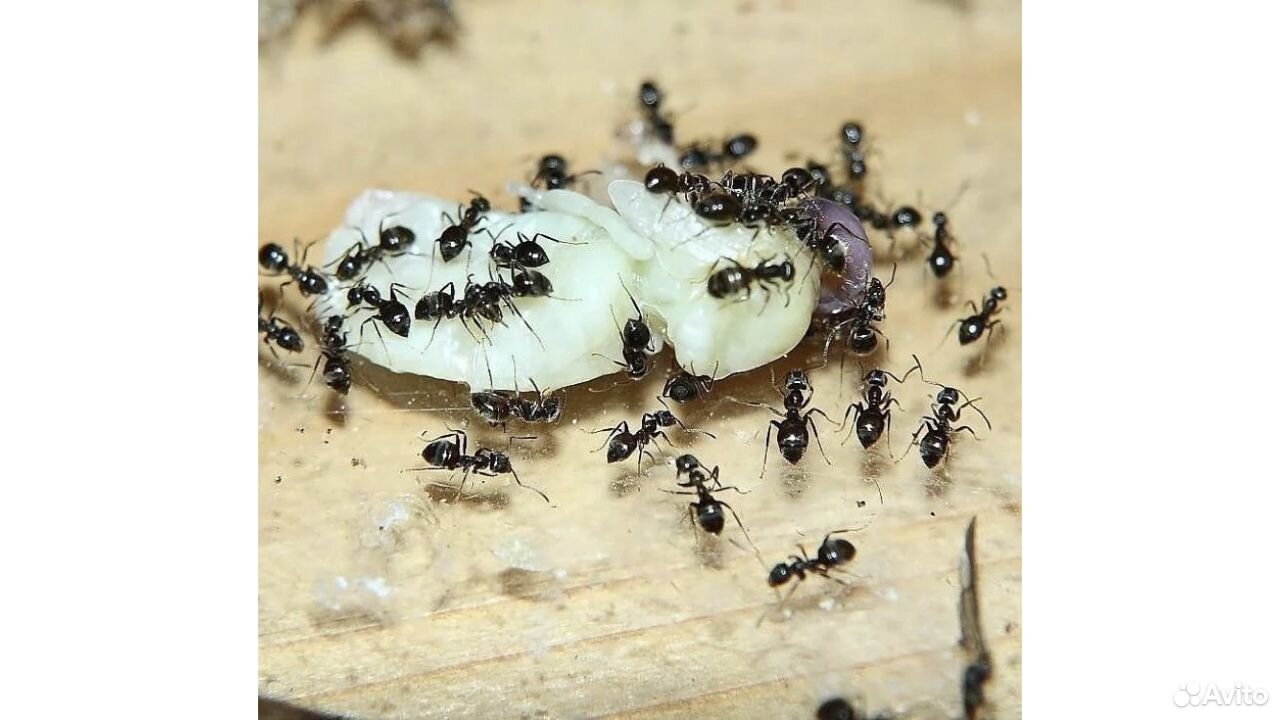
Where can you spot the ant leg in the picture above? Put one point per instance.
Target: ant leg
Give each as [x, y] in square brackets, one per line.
[948, 333]
[753, 403]
[817, 438]
[856, 409]
[914, 436]
[888, 438]
[966, 427]
[529, 487]
[620, 427]
[693, 520]
[820, 412]
[555, 240]
[373, 319]
[767, 435]
[742, 527]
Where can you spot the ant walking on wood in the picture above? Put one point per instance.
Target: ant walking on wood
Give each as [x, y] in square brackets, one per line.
[793, 429]
[706, 511]
[449, 452]
[936, 443]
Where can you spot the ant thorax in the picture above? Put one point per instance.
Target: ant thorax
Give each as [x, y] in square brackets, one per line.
[562, 323]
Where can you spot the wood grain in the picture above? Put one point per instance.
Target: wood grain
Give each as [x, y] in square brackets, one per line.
[621, 610]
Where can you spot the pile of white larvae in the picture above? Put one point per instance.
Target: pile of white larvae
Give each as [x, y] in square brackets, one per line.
[648, 247]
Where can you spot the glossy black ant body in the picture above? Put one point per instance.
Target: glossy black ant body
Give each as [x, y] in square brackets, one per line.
[544, 408]
[495, 406]
[707, 511]
[972, 327]
[733, 149]
[390, 311]
[623, 443]
[333, 348]
[738, 278]
[871, 420]
[837, 708]
[456, 236]
[851, 137]
[937, 441]
[827, 246]
[941, 259]
[684, 386]
[526, 253]
[637, 339]
[278, 331]
[861, 319]
[651, 106]
[275, 260]
[449, 452]
[717, 206]
[392, 241]
[831, 554]
[793, 429]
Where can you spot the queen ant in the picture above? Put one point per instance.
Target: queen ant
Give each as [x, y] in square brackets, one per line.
[707, 511]
[623, 443]
[935, 444]
[278, 331]
[793, 429]
[456, 236]
[275, 261]
[738, 278]
[449, 452]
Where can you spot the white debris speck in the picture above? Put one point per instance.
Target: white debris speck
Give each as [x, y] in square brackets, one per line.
[973, 117]
[827, 604]
[515, 552]
[378, 586]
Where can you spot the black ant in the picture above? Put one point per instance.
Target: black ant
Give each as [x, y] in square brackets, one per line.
[390, 311]
[278, 331]
[449, 452]
[851, 137]
[623, 443]
[333, 347]
[937, 441]
[526, 253]
[456, 236]
[793, 429]
[545, 408]
[870, 421]
[636, 340]
[972, 327]
[941, 259]
[707, 511]
[394, 240]
[275, 260]
[837, 708]
[737, 279]
[831, 554]
[684, 386]
[718, 206]
[651, 106]
[862, 317]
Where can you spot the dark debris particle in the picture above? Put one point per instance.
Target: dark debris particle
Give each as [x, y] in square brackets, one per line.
[862, 503]
[933, 514]
[301, 429]
[279, 479]
[357, 462]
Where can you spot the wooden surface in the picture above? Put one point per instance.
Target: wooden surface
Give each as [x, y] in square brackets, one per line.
[617, 608]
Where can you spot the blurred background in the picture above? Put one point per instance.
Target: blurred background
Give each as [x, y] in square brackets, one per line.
[376, 599]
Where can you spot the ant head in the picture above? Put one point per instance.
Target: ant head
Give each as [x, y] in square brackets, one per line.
[740, 146]
[798, 178]
[779, 575]
[948, 396]
[836, 709]
[686, 463]
[665, 418]
[650, 95]
[551, 163]
[906, 216]
[479, 203]
[333, 324]
[272, 257]
[876, 378]
[1000, 294]
[551, 408]
[940, 219]
[851, 132]
[795, 379]
[499, 462]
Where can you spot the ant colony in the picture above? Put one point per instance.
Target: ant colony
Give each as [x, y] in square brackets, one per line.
[580, 271]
